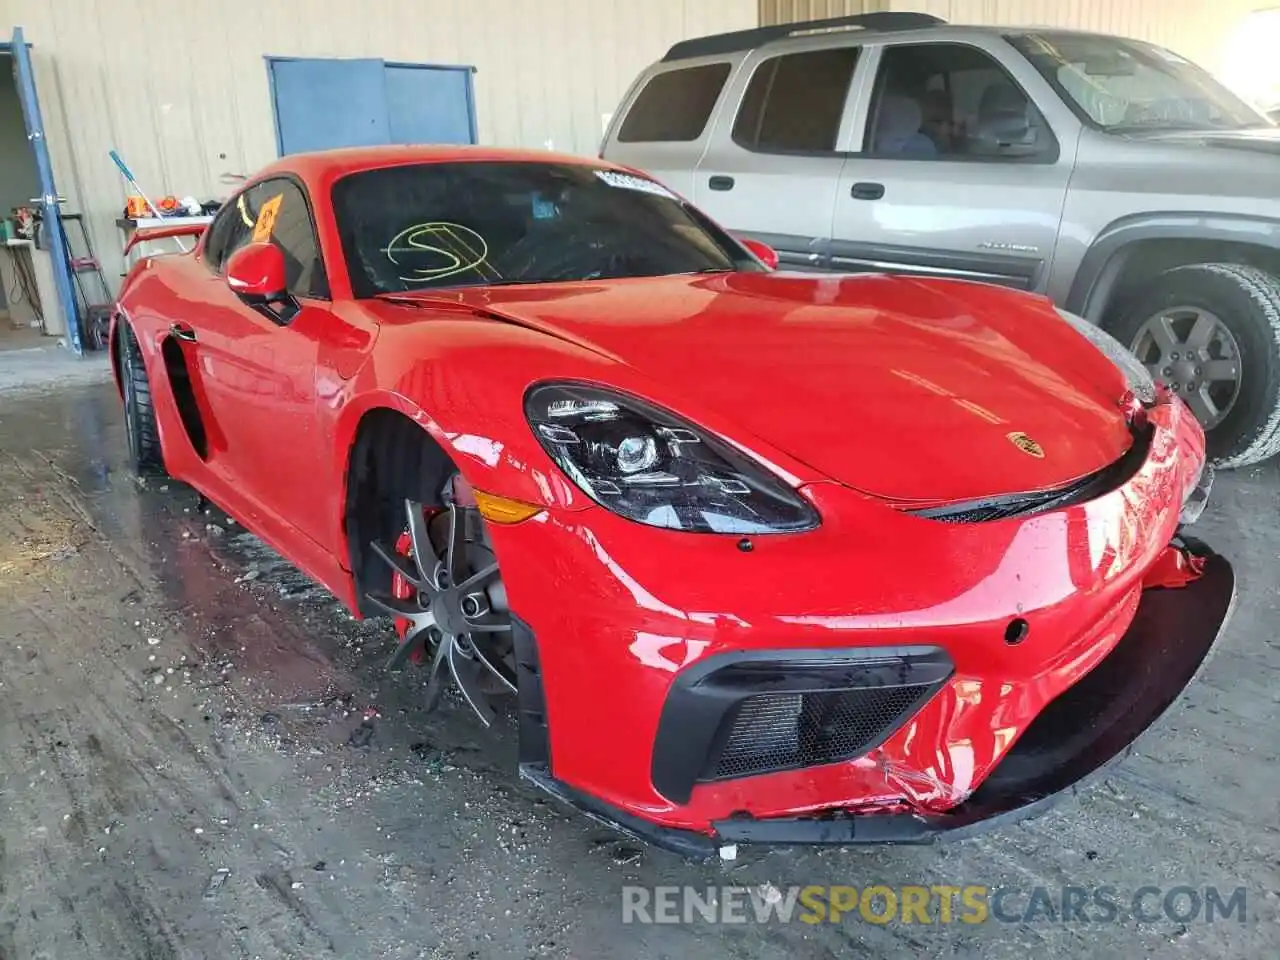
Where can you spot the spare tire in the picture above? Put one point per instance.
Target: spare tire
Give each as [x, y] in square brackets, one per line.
[1211, 331]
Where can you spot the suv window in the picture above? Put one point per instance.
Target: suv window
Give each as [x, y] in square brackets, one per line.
[274, 210]
[951, 101]
[795, 102]
[675, 105]
[1124, 85]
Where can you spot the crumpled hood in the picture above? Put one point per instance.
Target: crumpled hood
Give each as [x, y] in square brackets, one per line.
[913, 390]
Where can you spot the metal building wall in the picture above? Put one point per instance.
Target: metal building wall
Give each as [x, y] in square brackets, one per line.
[180, 87]
[793, 11]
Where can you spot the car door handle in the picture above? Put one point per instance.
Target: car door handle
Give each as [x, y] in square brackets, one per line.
[180, 331]
[720, 182]
[867, 191]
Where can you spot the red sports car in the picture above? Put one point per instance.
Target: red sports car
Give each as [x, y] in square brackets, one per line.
[758, 556]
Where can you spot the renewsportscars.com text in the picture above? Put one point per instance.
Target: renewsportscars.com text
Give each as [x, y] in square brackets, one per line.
[937, 904]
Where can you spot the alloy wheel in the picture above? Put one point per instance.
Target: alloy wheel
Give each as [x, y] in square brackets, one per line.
[1191, 351]
[450, 605]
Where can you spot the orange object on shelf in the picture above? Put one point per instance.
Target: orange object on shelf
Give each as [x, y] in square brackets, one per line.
[137, 207]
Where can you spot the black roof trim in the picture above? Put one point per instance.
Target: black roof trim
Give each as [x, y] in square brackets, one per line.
[750, 39]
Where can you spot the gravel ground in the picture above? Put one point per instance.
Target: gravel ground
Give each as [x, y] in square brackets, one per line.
[201, 756]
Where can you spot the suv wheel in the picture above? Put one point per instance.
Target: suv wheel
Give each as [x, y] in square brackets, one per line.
[1211, 331]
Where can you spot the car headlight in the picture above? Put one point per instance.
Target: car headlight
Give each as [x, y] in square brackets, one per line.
[648, 465]
[1135, 374]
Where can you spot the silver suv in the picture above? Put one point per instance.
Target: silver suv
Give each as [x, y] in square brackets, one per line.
[1116, 177]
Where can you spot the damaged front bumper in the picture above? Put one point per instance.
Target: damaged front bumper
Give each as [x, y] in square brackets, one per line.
[1197, 497]
[1089, 726]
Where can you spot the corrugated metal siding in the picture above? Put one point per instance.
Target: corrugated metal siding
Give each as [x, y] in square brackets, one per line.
[795, 11]
[181, 89]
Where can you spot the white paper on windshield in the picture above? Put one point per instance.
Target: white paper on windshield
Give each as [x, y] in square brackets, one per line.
[626, 181]
[1169, 55]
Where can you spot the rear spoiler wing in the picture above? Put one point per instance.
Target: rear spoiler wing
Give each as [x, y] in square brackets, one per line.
[145, 234]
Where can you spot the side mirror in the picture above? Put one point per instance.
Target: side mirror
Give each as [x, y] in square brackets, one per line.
[762, 252]
[256, 274]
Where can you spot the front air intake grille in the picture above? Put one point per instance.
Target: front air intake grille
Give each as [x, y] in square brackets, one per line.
[784, 731]
[1087, 488]
[745, 713]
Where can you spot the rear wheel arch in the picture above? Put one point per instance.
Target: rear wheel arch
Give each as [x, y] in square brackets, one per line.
[113, 348]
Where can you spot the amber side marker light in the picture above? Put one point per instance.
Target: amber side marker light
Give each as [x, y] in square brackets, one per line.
[498, 509]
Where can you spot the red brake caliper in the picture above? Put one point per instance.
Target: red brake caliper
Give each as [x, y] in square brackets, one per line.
[401, 590]
[1176, 567]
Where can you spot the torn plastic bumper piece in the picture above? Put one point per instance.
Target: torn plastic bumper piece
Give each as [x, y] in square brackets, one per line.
[1073, 740]
[1198, 498]
[1176, 567]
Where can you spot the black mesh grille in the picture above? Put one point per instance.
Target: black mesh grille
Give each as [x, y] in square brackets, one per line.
[782, 731]
[1002, 511]
[745, 713]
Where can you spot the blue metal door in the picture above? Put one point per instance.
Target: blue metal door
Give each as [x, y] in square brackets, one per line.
[430, 104]
[321, 104]
[55, 236]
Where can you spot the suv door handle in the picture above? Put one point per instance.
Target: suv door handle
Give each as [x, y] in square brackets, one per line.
[867, 191]
[180, 331]
[720, 182]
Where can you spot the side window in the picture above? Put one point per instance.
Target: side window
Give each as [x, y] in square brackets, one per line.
[794, 103]
[227, 232]
[274, 210]
[951, 101]
[675, 105]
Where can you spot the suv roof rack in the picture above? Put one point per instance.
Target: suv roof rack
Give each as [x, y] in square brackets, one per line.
[750, 39]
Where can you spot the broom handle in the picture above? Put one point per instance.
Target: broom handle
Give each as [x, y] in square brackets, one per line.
[119, 162]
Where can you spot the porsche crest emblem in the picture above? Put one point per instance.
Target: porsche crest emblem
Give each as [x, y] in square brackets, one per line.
[1026, 444]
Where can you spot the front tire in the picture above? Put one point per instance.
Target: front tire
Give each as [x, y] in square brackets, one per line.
[1212, 332]
[139, 408]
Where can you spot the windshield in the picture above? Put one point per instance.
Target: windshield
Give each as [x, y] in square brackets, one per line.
[1126, 85]
[432, 225]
